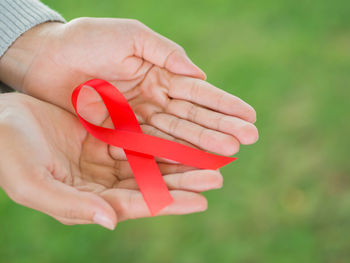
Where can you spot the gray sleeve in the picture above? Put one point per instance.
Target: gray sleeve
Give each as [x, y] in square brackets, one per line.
[18, 16]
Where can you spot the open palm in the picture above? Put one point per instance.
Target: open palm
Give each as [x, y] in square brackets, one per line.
[166, 91]
[73, 177]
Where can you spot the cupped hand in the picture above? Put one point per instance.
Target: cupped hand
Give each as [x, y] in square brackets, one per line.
[165, 89]
[50, 163]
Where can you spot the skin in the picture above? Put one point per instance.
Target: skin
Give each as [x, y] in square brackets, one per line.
[72, 177]
[167, 92]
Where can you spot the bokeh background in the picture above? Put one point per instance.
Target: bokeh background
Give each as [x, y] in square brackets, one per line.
[287, 198]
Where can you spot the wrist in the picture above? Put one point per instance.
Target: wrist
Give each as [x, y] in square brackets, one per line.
[17, 60]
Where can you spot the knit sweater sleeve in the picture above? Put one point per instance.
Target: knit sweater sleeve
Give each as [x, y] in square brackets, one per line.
[18, 16]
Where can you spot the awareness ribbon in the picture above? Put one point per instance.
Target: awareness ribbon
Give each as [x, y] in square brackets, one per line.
[141, 148]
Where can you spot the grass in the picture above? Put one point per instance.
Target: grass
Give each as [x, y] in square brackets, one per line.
[287, 198]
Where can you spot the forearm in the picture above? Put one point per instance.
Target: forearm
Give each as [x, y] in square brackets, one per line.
[16, 61]
[21, 37]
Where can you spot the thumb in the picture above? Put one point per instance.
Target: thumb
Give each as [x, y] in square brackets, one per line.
[67, 204]
[165, 53]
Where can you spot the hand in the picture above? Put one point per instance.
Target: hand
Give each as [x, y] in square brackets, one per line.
[48, 163]
[165, 89]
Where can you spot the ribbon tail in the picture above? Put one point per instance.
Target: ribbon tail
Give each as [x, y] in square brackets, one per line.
[150, 181]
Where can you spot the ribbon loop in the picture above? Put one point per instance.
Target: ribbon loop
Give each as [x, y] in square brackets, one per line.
[140, 148]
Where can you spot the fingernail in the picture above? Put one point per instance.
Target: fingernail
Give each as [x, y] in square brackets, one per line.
[103, 221]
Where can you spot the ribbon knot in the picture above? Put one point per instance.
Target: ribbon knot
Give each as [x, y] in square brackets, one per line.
[141, 148]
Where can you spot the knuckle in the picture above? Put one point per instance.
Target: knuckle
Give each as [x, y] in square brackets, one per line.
[192, 112]
[195, 89]
[168, 56]
[220, 120]
[173, 125]
[151, 118]
[180, 182]
[220, 100]
[201, 136]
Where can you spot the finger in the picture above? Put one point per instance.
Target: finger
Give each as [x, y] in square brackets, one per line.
[244, 131]
[129, 204]
[91, 106]
[195, 134]
[124, 171]
[207, 95]
[151, 130]
[70, 222]
[58, 199]
[119, 154]
[163, 52]
[195, 181]
[168, 168]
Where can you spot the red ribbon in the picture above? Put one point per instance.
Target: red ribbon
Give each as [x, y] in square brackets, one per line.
[140, 148]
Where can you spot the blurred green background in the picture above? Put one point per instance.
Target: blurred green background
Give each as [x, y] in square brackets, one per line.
[287, 198]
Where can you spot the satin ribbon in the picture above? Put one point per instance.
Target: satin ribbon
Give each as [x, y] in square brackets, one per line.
[141, 148]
